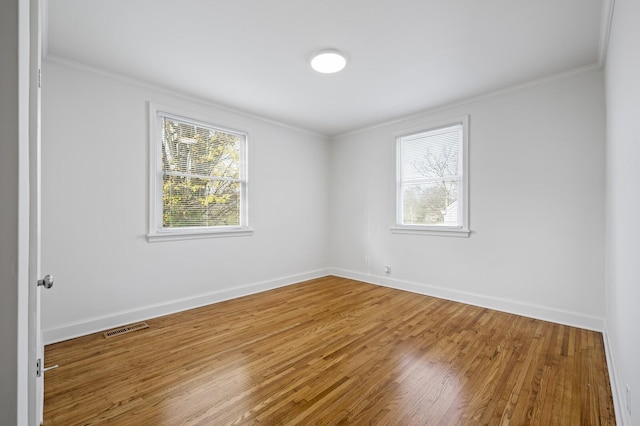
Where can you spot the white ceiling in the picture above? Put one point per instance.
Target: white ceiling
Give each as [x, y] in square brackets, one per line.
[405, 56]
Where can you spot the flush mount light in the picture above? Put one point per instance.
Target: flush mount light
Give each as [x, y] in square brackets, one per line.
[328, 61]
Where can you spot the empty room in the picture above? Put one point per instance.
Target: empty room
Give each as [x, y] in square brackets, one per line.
[338, 212]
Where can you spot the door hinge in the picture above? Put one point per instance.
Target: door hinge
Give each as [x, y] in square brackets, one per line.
[39, 78]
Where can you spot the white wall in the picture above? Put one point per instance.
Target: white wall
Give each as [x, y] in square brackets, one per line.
[95, 209]
[536, 206]
[536, 196]
[623, 205]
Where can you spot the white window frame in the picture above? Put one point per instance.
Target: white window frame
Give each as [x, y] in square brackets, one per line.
[463, 192]
[156, 230]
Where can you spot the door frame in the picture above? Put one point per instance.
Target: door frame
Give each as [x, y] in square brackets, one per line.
[24, 413]
[30, 387]
[36, 347]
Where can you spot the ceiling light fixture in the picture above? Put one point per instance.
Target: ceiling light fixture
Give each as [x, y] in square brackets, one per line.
[328, 61]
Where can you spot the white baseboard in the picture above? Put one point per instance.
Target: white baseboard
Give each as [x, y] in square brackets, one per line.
[96, 324]
[573, 319]
[617, 391]
[101, 323]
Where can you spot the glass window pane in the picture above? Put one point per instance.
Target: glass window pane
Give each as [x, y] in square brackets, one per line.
[434, 203]
[202, 151]
[431, 154]
[199, 202]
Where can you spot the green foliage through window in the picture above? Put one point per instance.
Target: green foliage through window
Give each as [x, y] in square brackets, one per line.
[203, 176]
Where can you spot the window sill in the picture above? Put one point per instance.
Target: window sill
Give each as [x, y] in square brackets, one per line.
[195, 234]
[437, 231]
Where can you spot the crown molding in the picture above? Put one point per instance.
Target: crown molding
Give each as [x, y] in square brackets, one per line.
[605, 30]
[464, 101]
[606, 19]
[165, 90]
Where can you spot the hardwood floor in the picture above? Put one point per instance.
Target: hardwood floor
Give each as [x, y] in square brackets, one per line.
[333, 351]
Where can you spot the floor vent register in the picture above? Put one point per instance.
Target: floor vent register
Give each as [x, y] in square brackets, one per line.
[125, 329]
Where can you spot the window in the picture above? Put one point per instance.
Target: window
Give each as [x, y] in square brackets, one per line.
[198, 178]
[432, 183]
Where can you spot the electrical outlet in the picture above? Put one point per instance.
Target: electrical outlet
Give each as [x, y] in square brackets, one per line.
[387, 269]
[628, 400]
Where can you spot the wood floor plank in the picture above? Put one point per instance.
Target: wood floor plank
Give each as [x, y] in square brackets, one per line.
[333, 351]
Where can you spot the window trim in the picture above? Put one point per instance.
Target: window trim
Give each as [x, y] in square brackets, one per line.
[155, 230]
[439, 230]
